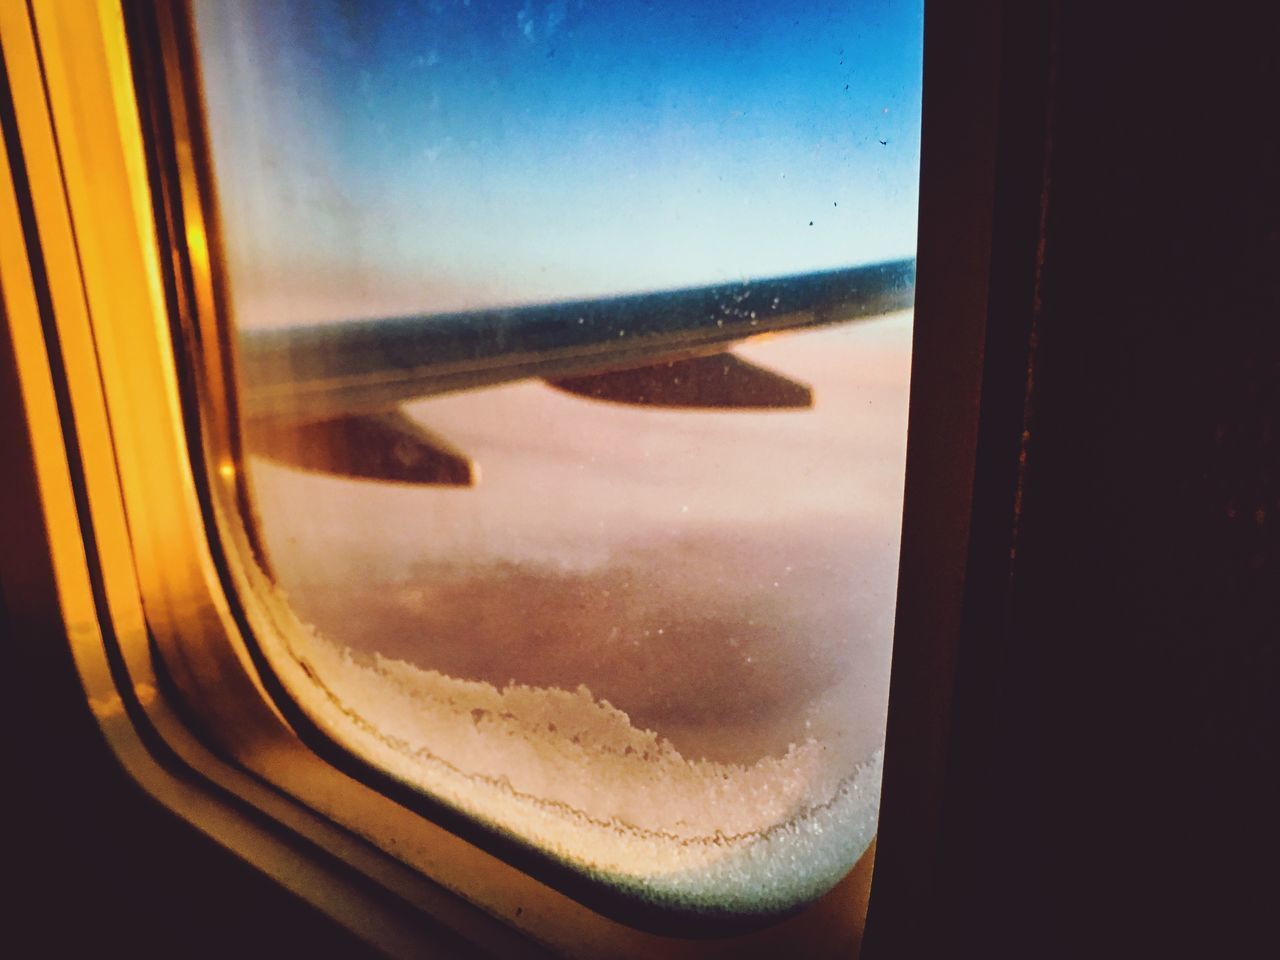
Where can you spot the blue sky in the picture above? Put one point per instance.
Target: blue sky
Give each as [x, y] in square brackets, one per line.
[533, 150]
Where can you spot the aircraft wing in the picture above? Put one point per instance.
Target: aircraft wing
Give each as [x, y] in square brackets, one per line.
[327, 397]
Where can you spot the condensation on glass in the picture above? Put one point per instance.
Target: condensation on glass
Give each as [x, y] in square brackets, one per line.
[607, 567]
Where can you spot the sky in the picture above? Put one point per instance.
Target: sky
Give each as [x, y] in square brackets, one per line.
[727, 579]
[422, 156]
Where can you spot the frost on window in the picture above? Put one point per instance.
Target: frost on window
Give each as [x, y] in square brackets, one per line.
[573, 343]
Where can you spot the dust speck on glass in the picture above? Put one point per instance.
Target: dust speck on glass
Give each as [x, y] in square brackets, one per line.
[573, 342]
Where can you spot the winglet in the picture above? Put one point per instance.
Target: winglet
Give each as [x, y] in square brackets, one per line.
[722, 381]
[387, 446]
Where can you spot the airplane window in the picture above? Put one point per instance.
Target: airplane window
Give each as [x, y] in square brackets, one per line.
[573, 343]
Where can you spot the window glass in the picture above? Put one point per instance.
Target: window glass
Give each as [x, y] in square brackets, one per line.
[573, 343]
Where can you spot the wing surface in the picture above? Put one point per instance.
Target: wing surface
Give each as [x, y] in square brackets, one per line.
[664, 349]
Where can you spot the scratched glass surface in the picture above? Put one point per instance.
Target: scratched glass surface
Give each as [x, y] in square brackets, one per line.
[641, 621]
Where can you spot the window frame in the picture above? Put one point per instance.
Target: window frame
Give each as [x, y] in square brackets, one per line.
[166, 69]
[151, 570]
